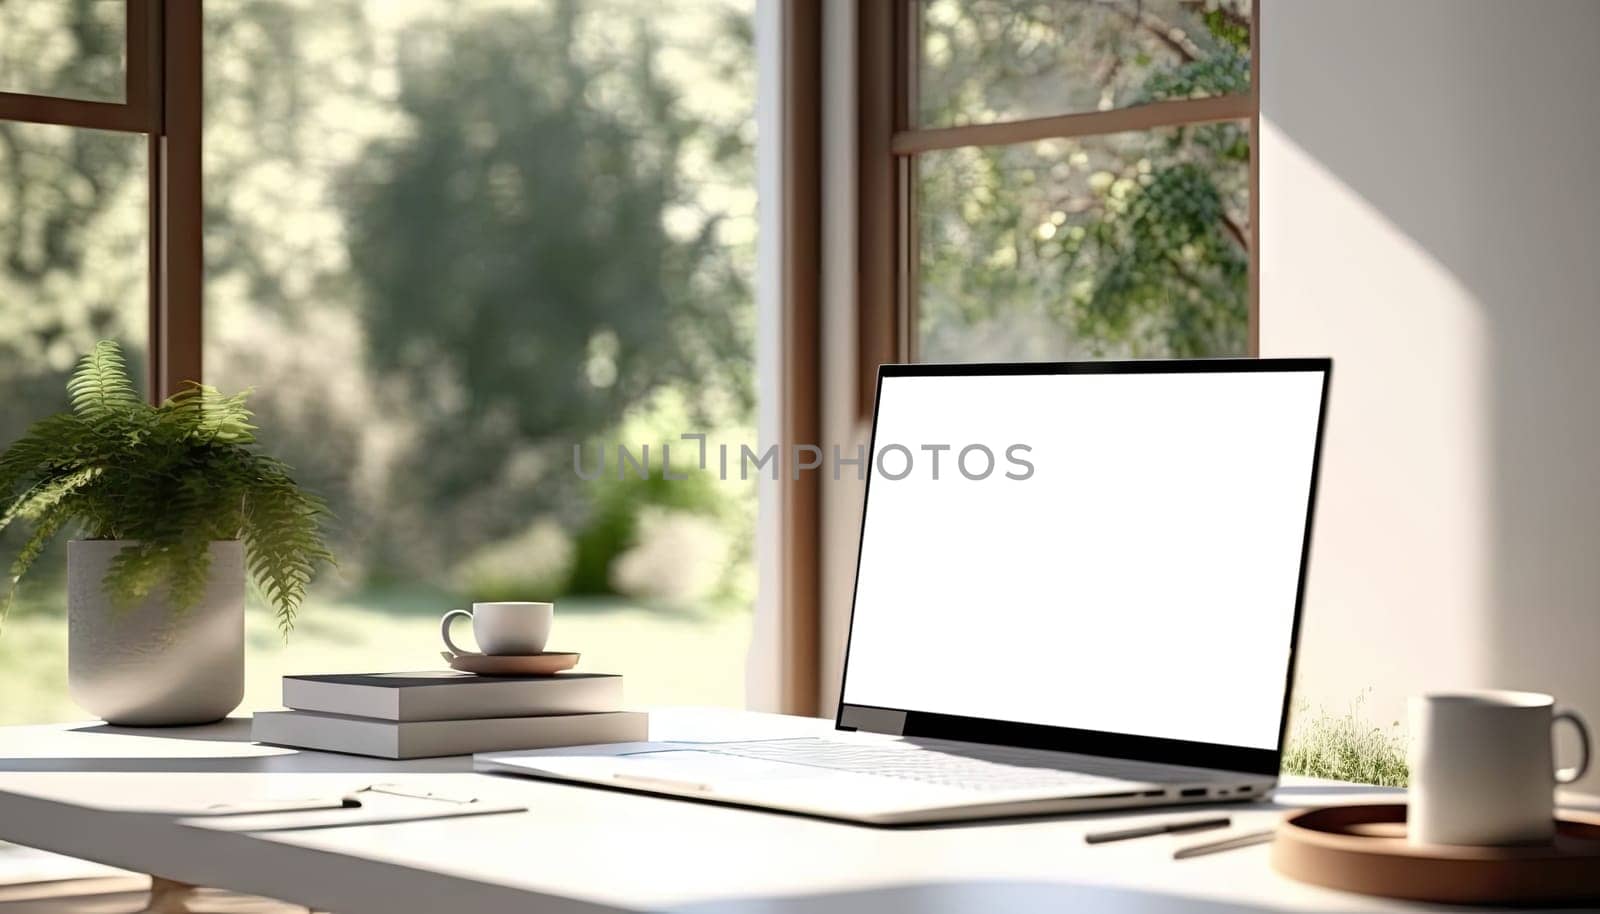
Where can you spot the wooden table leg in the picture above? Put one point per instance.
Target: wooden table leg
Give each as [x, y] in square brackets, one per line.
[169, 896]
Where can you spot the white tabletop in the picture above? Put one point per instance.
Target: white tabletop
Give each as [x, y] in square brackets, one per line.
[121, 797]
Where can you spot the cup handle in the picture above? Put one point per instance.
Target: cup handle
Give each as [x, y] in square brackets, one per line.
[1568, 775]
[444, 632]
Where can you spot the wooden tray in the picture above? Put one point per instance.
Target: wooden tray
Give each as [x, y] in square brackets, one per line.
[1364, 849]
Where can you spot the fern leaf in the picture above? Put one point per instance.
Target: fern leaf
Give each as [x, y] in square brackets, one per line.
[136, 571]
[45, 528]
[283, 543]
[57, 441]
[47, 494]
[200, 411]
[100, 387]
[186, 575]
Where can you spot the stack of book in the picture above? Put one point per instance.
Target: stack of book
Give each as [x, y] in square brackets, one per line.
[420, 715]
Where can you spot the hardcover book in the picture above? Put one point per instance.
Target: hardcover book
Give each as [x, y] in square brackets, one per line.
[451, 695]
[429, 738]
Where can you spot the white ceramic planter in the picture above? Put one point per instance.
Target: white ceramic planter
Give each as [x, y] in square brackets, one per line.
[146, 665]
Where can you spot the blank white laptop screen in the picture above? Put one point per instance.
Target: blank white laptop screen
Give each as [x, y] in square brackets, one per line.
[1141, 580]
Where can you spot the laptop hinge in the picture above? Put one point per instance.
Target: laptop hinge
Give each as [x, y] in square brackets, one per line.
[873, 720]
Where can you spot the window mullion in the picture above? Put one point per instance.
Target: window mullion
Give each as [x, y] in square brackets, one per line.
[177, 266]
[1140, 117]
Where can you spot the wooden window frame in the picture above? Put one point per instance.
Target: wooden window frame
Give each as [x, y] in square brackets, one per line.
[162, 98]
[888, 143]
[800, 380]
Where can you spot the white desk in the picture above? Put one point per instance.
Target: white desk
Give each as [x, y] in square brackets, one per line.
[118, 797]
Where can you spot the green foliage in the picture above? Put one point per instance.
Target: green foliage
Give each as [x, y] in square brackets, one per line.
[171, 479]
[1230, 26]
[1225, 73]
[71, 234]
[1346, 748]
[535, 564]
[519, 279]
[1125, 245]
[612, 525]
[1168, 264]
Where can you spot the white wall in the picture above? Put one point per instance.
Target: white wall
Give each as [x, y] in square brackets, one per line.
[1431, 218]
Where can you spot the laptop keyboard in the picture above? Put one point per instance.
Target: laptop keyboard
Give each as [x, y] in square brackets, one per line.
[961, 765]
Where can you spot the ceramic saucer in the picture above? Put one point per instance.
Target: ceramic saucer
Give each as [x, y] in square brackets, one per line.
[542, 664]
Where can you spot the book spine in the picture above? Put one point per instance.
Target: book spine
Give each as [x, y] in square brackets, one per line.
[427, 739]
[441, 738]
[331, 698]
[514, 699]
[375, 738]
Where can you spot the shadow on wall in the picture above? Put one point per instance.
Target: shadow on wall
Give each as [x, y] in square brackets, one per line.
[1471, 126]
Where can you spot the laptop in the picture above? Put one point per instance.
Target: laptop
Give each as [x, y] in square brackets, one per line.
[1078, 588]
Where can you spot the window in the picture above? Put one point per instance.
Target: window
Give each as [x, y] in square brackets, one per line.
[445, 244]
[80, 151]
[1056, 180]
[64, 50]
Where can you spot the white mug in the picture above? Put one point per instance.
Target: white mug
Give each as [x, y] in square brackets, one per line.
[1483, 768]
[514, 629]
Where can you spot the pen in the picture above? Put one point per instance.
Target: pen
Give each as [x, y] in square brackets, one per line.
[396, 791]
[1166, 828]
[1226, 844]
[347, 801]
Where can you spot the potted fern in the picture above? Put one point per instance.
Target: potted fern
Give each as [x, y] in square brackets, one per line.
[174, 505]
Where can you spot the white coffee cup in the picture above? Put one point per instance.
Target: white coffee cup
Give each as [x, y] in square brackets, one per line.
[505, 629]
[1483, 767]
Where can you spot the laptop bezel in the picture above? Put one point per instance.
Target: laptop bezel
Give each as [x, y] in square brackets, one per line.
[1215, 756]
